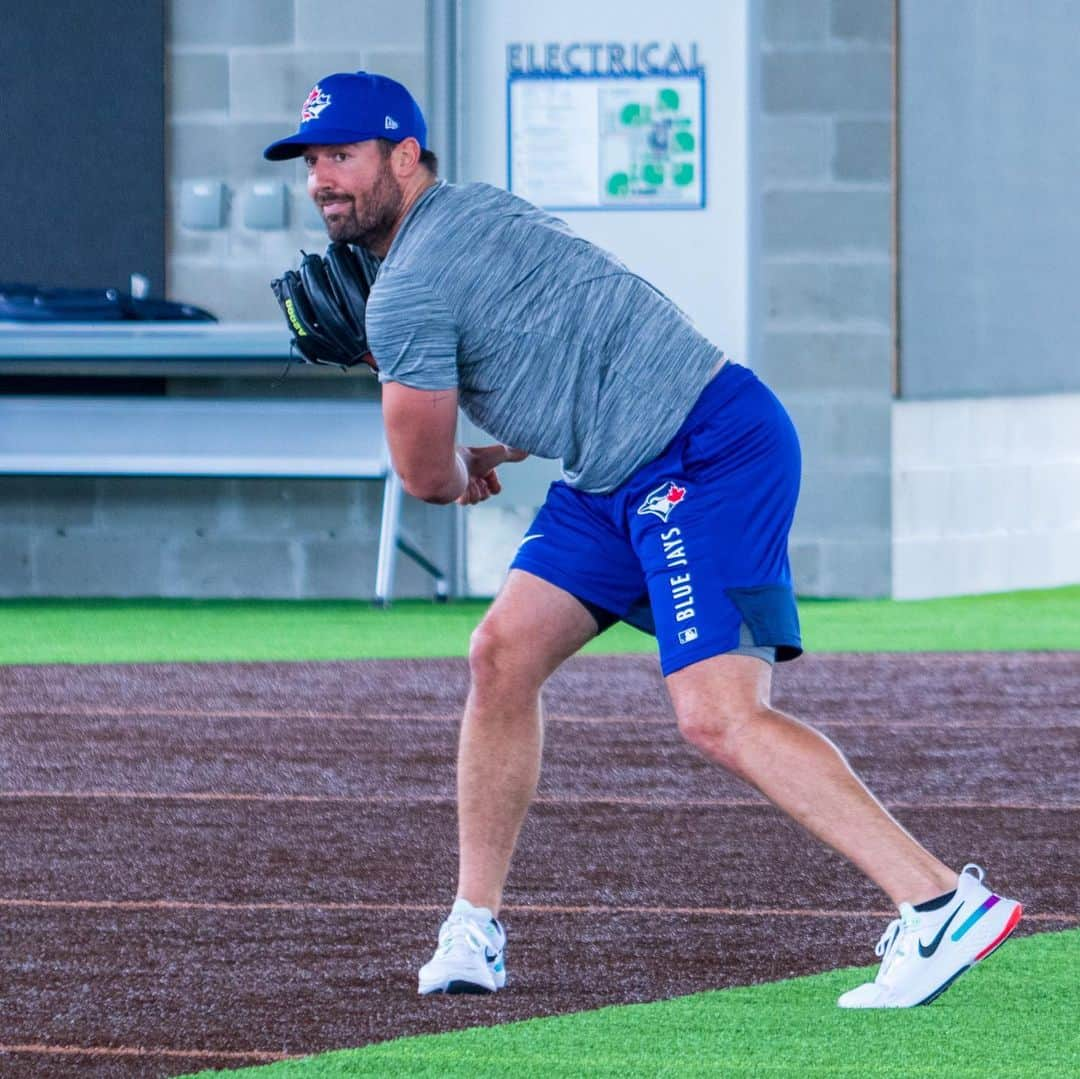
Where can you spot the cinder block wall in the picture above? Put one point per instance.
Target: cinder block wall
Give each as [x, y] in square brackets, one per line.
[824, 163]
[237, 73]
[986, 494]
[258, 538]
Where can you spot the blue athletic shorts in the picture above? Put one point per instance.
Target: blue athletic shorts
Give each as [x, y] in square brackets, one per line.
[693, 546]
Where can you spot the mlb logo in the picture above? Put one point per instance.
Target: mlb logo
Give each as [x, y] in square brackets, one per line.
[687, 635]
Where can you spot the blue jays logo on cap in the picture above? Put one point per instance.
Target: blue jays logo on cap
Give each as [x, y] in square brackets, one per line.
[317, 100]
[353, 107]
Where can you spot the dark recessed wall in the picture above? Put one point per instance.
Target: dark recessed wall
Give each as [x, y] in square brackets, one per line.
[82, 173]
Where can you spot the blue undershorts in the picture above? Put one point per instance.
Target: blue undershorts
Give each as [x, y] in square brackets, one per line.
[693, 546]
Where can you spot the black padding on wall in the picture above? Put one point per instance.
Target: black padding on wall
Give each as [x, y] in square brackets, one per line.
[82, 168]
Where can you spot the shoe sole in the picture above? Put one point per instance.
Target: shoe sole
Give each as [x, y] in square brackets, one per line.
[457, 987]
[992, 947]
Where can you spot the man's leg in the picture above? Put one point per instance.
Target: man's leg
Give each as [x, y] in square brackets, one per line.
[723, 709]
[529, 630]
[573, 549]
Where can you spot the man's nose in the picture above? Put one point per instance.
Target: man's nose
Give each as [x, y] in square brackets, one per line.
[319, 177]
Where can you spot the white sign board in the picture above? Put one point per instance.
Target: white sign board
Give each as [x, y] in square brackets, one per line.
[545, 90]
[607, 142]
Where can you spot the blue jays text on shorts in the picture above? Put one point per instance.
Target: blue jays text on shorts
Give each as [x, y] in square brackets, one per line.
[693, 546]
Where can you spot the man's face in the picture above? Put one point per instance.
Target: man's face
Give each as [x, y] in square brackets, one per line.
[356, 191]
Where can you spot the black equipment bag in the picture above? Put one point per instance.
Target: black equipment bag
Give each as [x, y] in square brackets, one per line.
[29, 303]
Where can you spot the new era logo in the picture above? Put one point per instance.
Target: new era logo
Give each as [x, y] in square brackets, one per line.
[391, 124]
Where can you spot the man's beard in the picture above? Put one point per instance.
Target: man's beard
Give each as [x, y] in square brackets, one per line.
[379, 216]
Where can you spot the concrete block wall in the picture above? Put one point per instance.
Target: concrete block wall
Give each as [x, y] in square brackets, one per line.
[209, 537]
[986, 494]
[826, 276]
[146, 536]
[237, 73]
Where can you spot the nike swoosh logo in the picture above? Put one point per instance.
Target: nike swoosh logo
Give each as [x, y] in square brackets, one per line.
[490, 956]
[535, 535]
[927, 950]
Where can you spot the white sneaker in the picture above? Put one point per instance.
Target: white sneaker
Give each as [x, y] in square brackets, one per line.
[921, 958]
[470, 955]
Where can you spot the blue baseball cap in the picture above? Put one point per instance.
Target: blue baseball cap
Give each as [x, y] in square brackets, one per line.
[353, 107]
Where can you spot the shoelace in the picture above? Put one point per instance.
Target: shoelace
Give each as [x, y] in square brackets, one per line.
[896, 942]
[889, 937]
[458, 930]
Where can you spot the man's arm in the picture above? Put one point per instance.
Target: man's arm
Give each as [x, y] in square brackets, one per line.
[420, 428]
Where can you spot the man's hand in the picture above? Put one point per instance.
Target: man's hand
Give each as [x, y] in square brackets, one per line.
[480, 464]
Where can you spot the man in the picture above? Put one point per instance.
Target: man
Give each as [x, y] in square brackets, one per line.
[681, 473]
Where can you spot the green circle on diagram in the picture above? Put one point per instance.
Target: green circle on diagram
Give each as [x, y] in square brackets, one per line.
[684, 174]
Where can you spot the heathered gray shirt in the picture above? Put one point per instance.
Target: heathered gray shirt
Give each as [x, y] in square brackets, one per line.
[554, 346]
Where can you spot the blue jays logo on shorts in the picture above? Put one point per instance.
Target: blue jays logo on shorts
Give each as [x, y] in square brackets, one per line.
[662, 500]
[316, 102]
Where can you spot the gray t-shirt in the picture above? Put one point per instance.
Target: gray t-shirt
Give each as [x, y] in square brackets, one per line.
[554, 346]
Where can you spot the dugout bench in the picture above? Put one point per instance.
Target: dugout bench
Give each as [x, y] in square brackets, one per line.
[102, 435]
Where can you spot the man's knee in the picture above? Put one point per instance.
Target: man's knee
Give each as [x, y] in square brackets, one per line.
[721, 730]
[487, 649]
[498, 655]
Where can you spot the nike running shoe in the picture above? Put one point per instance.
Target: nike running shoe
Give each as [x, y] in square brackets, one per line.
[924, 952]
[470, 955]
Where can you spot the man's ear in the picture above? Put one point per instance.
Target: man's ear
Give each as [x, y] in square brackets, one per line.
[406, 157]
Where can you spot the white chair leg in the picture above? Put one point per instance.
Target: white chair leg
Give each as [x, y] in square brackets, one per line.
[388, 539]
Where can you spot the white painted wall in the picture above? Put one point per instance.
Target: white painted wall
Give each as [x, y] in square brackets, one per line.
[700, 258]
[986, 495]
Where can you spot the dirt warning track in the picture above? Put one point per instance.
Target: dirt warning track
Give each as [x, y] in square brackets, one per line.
[222, 864]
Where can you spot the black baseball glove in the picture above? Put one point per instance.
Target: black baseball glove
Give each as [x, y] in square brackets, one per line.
[324, 303]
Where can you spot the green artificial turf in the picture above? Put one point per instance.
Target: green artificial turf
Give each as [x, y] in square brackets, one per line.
[129, 631]
[1015, 1016]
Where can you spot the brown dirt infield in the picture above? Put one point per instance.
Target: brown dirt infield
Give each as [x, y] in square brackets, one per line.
[221, 864]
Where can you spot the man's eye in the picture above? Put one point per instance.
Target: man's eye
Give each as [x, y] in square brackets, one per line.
[341, 156]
